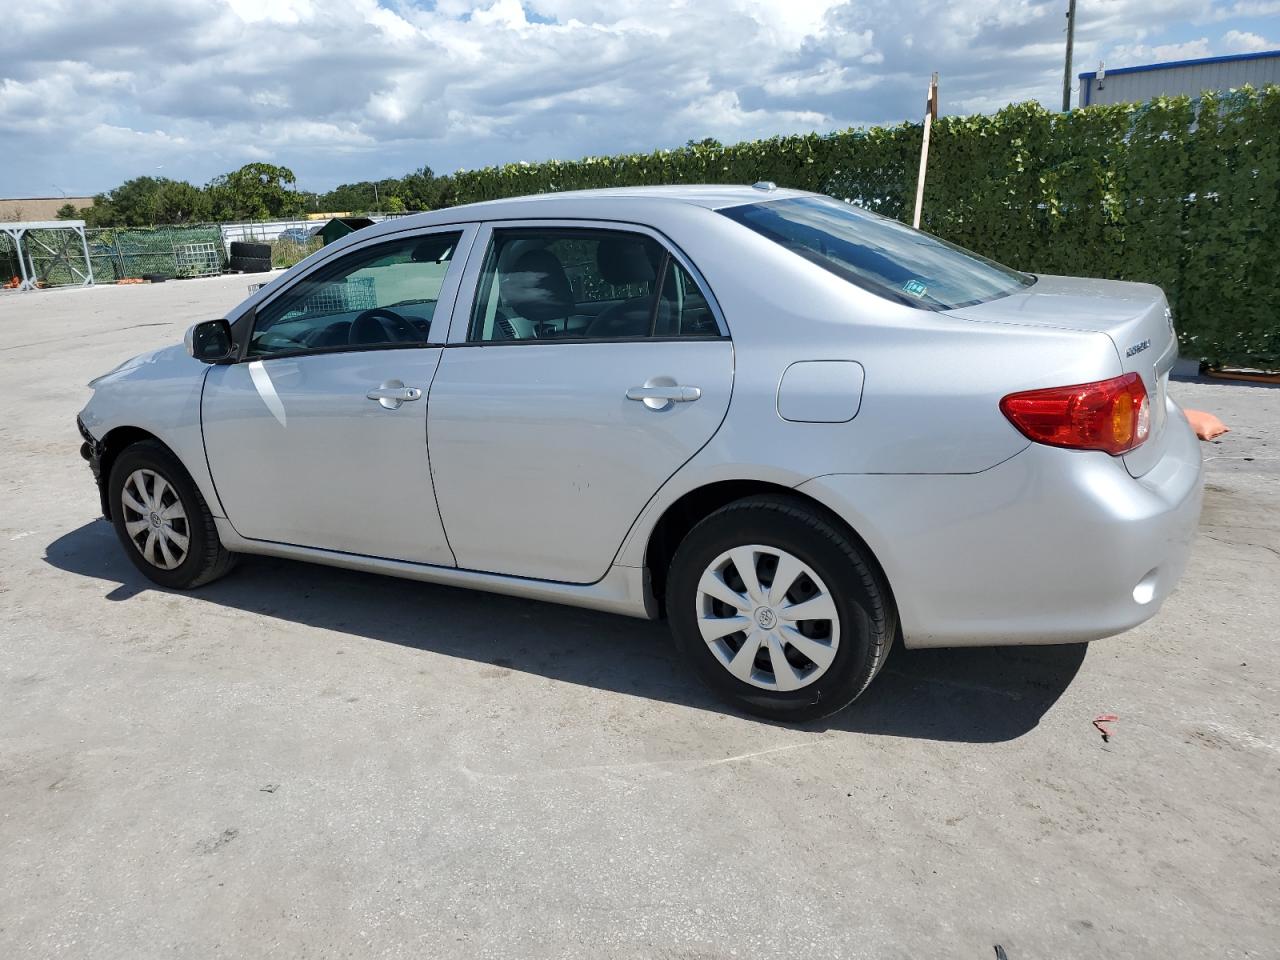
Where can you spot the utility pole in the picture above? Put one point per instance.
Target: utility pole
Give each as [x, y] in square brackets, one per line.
[930, 114]
[1066, 73]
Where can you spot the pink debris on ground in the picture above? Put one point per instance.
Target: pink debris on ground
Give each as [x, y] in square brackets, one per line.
[1206, 425]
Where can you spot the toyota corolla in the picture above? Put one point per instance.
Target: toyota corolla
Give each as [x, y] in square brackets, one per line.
[797, 430]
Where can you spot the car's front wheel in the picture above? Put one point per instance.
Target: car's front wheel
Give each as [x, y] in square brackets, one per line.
[162, 520]
[778, 609]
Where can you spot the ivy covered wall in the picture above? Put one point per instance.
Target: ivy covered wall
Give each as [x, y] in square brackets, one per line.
[1181, 193]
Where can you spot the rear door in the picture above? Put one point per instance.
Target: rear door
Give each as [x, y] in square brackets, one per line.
[588, 368]
[317, 437]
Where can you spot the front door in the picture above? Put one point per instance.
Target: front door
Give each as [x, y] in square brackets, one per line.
[591, 369]
[317, 437]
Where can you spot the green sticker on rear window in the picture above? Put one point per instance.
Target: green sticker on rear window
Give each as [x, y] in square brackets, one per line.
[916, 288]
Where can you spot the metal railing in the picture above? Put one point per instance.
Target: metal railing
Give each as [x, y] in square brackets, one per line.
[118, 253]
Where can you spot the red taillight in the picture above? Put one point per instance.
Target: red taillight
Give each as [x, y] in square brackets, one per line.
[1112, 415]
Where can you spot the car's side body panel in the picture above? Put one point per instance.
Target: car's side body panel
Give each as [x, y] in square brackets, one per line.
[622, 590]
[1051, 546]
[158, 392]
[541, 462]
[300, 455]
[984, 537]
[1135, 316]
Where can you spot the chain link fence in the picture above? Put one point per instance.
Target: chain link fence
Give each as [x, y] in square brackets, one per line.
[9, 271]
[120, 252]
[56, 257]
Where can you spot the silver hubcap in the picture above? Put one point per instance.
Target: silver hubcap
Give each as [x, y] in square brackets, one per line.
[768, 617]
[155, 519]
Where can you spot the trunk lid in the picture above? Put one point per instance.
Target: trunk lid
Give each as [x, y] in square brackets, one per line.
[1135, 316]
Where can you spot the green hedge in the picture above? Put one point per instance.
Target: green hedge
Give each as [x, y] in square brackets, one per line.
[1182, 193]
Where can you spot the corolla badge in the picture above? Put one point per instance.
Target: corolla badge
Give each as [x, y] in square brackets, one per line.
[1137, 348]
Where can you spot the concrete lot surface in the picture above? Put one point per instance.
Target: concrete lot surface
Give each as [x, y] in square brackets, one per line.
[305, 762]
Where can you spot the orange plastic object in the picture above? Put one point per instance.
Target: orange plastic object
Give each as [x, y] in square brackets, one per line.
[1206, 425]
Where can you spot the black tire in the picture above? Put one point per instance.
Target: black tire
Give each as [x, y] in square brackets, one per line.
[867, 617]
[250, 250]
[206, 559]
[250, 264]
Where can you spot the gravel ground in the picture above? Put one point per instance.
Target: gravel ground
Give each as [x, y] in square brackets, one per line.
[305, 762]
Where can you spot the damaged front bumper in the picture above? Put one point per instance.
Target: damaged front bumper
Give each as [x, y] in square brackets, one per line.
[92, 450]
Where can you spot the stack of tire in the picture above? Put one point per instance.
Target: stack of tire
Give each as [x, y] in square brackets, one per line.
[250, 257]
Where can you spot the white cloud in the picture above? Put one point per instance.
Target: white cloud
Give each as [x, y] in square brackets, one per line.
[504, 13]
[104, 136]
[1238, 41]
[271, 11]
[92, 93]
[1245, 8]
[1138, 53]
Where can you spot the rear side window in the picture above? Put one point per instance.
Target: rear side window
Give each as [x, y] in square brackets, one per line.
[881, 255]
[585, 285]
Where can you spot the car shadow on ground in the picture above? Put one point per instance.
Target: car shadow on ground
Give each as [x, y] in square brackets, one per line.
[979, 695]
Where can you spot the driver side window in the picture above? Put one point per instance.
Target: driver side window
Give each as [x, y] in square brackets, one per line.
[377, 297]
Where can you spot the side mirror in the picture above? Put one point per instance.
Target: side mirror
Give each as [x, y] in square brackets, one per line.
[210, 342]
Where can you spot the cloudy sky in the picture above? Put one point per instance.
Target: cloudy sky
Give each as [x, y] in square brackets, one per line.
[93, 92]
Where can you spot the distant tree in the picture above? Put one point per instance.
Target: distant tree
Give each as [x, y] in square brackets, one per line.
[419, 190]
[137, 201]
[349, 198]
[144, 201]
[257, 191]
[422, 189]
[182, 202]
[102, 213]
[706, 143]
[68, 211]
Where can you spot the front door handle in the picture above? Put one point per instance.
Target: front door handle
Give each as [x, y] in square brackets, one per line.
[393, 393]
[657, 396]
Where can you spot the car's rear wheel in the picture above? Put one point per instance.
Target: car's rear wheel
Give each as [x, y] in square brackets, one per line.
[778, 609]
[162, 521]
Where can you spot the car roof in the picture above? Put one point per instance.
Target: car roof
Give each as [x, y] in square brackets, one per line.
[710, 195]
[620, 202]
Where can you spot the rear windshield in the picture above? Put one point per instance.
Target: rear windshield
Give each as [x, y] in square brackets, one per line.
[881, 255]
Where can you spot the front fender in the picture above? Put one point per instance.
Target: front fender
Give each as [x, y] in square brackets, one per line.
[159, 393]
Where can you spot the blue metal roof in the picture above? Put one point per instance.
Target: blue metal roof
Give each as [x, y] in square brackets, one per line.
[1169, 64]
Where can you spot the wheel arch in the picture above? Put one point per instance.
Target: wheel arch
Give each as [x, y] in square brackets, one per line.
[113, 443]
[683, 514]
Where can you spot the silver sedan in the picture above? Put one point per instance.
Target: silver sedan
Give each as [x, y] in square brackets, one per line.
[797, 430]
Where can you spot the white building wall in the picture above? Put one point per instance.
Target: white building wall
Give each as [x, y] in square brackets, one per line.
[264, 231]
[1189, 79]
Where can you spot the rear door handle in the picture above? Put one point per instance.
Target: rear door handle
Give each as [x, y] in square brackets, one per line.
[662, 395]
[393, 393]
